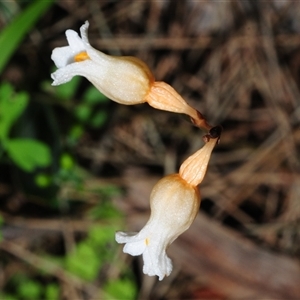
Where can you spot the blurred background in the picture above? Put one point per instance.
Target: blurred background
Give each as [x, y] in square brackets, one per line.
[75, 166]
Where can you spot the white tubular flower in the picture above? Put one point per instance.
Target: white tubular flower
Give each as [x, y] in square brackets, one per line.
[174, 204]
[124, 79]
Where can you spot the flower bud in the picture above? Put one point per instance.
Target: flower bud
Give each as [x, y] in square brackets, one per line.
[193, 169]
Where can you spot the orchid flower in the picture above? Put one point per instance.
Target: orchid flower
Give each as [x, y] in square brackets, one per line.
[124, 79]
[174, 203]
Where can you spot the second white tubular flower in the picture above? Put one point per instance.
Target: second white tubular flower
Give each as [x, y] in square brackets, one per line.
[174, 204]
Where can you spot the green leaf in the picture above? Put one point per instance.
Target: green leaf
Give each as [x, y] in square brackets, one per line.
[13, 34]
[121, 289]
[75, 134]
[66, 161]
[104, 210]
[83, 112]
[28, 154]
[8, 297]
[11, 107]
[84, 262]
[30, 289]
[98, 119]
[100, 236]
[42, 180]
[6, 90]
[52, 292]
[67, 91]
[93, 96]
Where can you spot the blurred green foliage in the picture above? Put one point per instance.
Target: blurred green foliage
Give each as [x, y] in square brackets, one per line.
[13, 34]
[27, 154]
[29, 289]
[120, 289]
[57, 169]
[86, 111]
[90, 255]
[12, 106]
